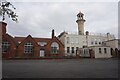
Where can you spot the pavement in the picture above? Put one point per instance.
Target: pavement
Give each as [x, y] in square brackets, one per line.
[60, 68]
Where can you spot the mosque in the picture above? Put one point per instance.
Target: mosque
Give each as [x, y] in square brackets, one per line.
[85, 44]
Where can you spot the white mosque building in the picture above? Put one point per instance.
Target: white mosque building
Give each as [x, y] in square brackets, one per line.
[85, 44]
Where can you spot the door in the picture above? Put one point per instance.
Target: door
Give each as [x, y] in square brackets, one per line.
[42, 53]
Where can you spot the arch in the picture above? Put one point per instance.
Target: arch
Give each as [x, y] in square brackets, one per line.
[54, 47]
[116, 52]
[111, 50]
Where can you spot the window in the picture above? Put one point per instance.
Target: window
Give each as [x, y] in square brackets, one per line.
[68, 49]
[105, 50]
[72, 40]
[99, 42]
[68, 40]
[104, 43]
[72, 48]
[54, 47]
[76, 40]
[100, 50]
[86, 53]
[81, 51]
[28, 47]
[92, 42]
[5, 46]
[84, 46]
[19, 42]
[95, 42]
[77, 48]
[42, 43]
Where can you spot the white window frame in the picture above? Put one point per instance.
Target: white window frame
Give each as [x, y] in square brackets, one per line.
[42, 43]
[28, 47]
[54, 48]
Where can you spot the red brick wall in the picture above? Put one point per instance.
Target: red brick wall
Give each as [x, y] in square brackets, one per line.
[48, 48]
[12, 50]
[20, 50]
[3, 27]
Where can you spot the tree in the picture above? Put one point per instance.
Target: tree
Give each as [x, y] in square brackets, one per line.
[5, 8]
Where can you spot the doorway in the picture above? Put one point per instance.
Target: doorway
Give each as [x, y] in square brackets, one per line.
[42, 53]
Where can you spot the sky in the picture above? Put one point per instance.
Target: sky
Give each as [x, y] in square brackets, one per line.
[39, 18]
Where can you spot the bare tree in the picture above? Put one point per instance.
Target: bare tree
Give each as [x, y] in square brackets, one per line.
[5, 9]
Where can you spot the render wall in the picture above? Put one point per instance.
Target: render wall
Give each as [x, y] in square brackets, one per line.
[113, 44]
[102, 55]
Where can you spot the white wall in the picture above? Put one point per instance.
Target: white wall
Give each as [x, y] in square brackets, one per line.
[74, 40]
[95, 38]
[102, 54]
[112, 43]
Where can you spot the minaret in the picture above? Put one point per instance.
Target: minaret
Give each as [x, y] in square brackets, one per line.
[80, 22]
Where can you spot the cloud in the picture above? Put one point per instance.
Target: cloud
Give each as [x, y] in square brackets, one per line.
[39, 18]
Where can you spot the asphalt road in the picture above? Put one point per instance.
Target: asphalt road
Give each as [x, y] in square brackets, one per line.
[61, 68]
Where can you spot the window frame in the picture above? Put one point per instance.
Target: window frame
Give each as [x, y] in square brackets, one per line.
[105, 50]
[54, 48]
[68, 49]
[100, 50]
[5, 46]
[28, 48]
[72, 50]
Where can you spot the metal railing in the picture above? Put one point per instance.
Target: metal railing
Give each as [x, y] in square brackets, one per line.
[90, 33]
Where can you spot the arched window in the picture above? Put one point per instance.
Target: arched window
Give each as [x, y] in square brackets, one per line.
[28, 47]
[5, 46]
[54, 47]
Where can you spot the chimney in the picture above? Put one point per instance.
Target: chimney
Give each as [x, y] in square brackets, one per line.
[108, 36]
[87, 33]
[3, 27]
[53, 34]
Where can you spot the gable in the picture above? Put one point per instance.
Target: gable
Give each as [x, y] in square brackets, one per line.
[55, 39]
[28, 39]
[8, 38]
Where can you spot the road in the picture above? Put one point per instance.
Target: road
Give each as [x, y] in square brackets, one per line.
[60, 68]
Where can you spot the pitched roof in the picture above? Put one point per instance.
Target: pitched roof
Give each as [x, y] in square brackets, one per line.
[10, 38]
[59, 41]
[19, 39]
[42, 39]
[22, 39]
[36, 39]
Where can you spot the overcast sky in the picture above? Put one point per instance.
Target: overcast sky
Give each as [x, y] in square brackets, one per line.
[39, 18]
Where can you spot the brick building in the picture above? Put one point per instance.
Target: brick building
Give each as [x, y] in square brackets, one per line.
[30, 47]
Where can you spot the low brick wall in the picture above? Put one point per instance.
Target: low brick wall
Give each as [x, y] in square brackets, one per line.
[40, 58]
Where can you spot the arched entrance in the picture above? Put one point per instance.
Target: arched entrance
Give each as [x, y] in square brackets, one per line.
[112, 52]
[116, 52]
